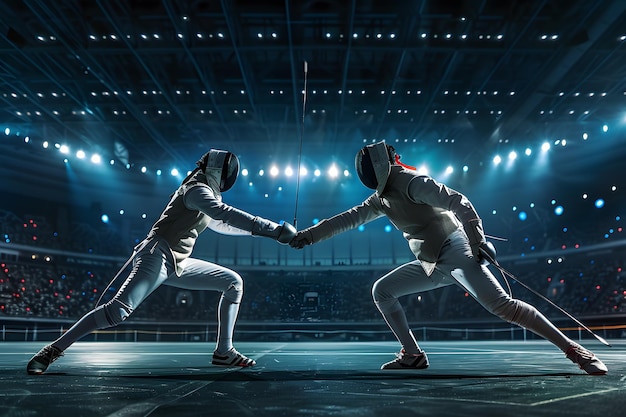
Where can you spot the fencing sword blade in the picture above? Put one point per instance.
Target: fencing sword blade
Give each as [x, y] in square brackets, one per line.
[513, 277]
[295, 212]
[500, 239]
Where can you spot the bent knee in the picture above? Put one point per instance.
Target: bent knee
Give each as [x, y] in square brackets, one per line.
[112, 313]
[381, 291]
[513, 310]
[234, 291]
[504, 308]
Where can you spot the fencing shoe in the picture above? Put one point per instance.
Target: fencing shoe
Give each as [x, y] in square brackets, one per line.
[586, 360]
[40, 362]
[232, 358]
[408, 361]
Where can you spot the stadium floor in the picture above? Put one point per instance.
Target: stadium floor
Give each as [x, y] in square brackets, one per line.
[127, 379]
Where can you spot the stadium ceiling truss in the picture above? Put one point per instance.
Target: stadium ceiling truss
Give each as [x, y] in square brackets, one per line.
[165, 80]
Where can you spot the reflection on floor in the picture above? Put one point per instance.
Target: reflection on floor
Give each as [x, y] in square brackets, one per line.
[311, 379]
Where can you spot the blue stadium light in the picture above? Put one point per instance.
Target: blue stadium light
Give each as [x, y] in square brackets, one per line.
[558, 210]
[104, 218]
[599, 203]
[361, 228]
[522, 216]
[388, 228]
[7, 131]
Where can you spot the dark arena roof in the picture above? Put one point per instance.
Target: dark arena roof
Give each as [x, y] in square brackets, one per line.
[152, 83]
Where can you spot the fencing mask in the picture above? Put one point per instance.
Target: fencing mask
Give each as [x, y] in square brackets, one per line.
[373, 165]
[222, 166]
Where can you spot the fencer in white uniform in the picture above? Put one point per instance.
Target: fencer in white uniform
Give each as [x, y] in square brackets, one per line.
[445, 233]
[164, 258]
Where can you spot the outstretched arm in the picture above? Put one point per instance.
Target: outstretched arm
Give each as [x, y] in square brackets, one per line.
[367, 211]
[227, 219]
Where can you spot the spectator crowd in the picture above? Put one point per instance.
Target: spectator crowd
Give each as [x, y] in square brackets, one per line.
[586, 282]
